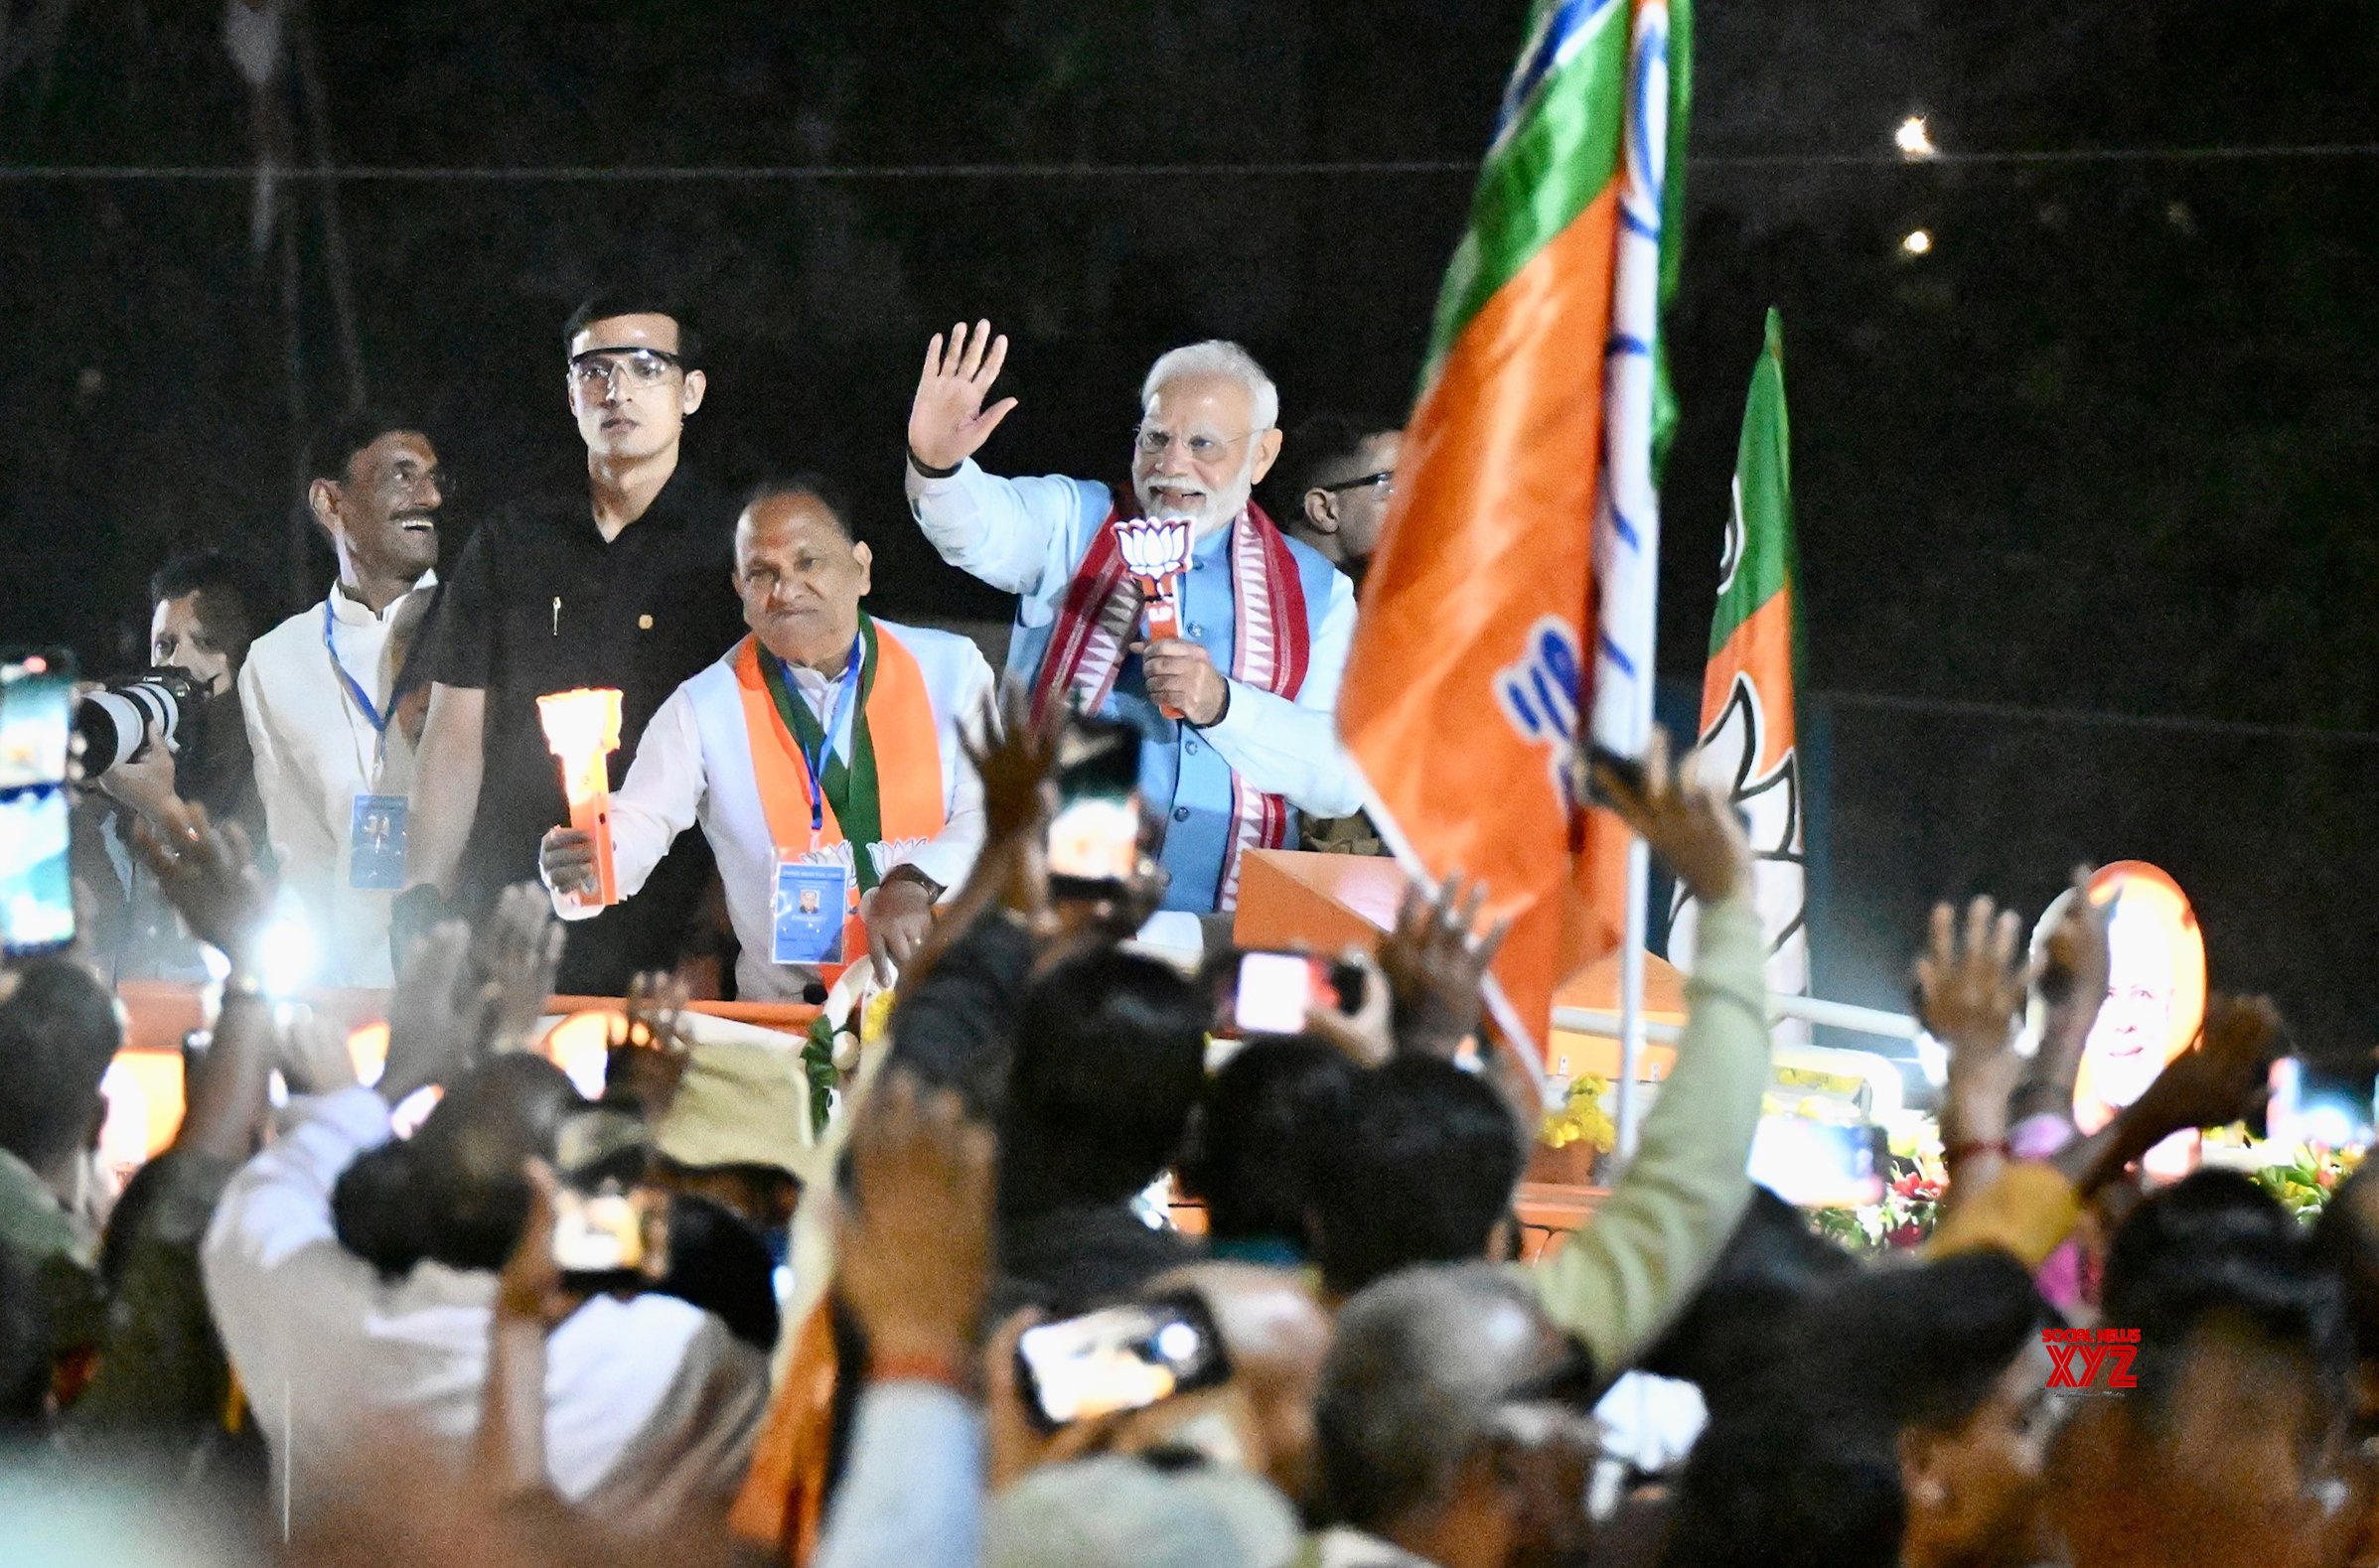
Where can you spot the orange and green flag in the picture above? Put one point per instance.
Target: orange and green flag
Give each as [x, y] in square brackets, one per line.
[1510, 604]
[1749, 740]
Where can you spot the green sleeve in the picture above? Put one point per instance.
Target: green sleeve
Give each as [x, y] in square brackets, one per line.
[1621, 1278]
[161, 1370]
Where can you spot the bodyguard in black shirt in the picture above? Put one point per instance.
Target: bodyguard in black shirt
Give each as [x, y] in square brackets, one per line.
[625, 585]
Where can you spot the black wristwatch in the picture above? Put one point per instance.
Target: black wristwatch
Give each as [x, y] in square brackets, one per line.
[924, 472]
[907, 872]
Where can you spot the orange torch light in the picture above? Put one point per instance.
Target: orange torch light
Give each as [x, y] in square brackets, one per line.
[582, 730]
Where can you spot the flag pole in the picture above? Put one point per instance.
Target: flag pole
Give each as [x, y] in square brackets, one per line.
[1630, 503]
[1637, 927]
[1629, 1108]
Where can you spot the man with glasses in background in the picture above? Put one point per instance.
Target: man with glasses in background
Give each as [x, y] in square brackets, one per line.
[625, 584]
[322, 694]
[1233, 705]
[1334, 491]
[1340, 473]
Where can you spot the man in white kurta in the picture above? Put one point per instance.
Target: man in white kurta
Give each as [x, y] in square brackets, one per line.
[1234, 700]
[320, 696]
[885, 709]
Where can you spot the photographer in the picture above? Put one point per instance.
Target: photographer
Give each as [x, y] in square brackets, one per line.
[205, 610]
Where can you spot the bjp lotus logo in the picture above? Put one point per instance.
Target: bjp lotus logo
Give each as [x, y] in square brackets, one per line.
[1154, 549]
[1740, 751]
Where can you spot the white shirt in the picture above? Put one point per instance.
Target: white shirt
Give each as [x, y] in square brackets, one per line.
[1651, 1423]
[314, 752]
[1343, 1546]
[650, 1402]
[1027, 536]
[693, 764]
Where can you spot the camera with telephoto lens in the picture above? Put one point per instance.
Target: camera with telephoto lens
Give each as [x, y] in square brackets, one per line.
[124, 718]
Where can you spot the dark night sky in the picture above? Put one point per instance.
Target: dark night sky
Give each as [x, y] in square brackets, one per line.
[2109, 448]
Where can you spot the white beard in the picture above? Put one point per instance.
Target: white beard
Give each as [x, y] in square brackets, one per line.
[1222, 507]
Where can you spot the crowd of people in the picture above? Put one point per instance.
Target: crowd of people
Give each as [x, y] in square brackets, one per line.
[464, 1312]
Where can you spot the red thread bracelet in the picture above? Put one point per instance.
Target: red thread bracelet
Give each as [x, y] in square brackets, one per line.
[919, 1368]
[1959, 1151]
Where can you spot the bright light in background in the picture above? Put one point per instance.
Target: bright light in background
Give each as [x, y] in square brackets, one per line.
[1917, 242]
[580, 1044]
[1913, 140]
[286, 952]
[1932, 1058]
[367, 1047]
[124, 1137]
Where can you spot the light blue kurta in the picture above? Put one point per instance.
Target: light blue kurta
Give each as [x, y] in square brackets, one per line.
[1030, 535]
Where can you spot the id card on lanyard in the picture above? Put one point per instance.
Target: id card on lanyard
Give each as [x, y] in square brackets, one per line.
[813, 897]
[376, 832]
[376, 843]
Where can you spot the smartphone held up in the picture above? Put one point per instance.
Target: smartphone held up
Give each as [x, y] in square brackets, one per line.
[1094, 844]
[37, 729]
[1813, 1164]
[1271, 992]
[2313, 1105]
[609, 1230]
[1119, 1358]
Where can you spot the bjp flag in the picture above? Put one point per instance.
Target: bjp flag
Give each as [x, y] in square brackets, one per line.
[1750, 741]
[1510, 606]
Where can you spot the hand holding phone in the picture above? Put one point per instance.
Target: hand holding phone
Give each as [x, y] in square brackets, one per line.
[1274, 992]
[1094, 844]
[2319, 1106]
[36, 719]
[37, 887]
[1813, 1164]
[608, 1232]
[1354, 1011]
[606, 1226]
[1692, 826]
[1119, 1358]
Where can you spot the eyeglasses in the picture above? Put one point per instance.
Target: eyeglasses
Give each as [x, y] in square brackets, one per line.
[1385, 478]
[1152, 441]
[597, 369]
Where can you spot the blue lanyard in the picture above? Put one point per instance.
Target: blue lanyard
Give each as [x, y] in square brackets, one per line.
[816, 764]
[371, 713]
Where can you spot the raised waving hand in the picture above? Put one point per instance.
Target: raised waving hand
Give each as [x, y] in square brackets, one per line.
[948, 421]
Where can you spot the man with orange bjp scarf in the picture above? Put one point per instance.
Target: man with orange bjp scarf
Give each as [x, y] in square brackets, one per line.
[822, 755]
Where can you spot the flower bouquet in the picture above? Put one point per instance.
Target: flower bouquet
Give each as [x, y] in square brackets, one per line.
[1911, 1203]
[2305, 1181]
[855, 1013]
[1575, 1135]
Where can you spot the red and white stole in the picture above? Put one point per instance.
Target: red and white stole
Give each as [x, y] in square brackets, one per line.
[1272, 644]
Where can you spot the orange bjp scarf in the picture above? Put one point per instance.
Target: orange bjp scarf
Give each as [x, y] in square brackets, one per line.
[894, 723]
